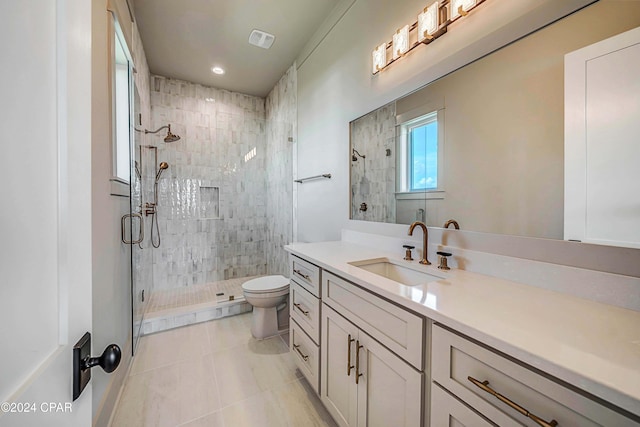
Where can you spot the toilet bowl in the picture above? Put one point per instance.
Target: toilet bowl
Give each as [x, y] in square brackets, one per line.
[266, 294]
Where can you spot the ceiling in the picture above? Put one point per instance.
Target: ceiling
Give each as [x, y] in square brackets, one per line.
[185, 39]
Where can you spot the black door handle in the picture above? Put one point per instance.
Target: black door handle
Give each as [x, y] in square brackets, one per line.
[83, 362]
[108, 360]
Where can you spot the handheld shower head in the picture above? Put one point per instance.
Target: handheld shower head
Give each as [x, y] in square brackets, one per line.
[161, 168]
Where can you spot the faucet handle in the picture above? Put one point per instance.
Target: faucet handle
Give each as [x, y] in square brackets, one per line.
[443, 260]
[407, 255]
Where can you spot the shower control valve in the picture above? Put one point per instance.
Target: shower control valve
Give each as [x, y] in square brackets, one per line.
[149, 209]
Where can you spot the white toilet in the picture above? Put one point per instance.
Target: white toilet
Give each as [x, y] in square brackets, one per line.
[268, 295]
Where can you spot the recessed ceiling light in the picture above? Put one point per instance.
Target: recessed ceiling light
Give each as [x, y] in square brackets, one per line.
[210, 100]
[217, 70]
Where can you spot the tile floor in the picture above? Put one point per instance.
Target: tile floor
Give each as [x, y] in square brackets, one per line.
[215, 374]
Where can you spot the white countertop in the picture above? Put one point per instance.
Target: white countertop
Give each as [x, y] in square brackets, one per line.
[594, 346]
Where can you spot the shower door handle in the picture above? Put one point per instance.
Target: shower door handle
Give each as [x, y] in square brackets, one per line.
[123, 227]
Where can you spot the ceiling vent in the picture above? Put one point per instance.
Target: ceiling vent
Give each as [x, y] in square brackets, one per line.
[261, 39]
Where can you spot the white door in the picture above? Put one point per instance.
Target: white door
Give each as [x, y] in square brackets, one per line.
[602, 142]
[45, 212]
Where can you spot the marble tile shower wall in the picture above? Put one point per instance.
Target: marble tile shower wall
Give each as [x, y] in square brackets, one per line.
[281, 121]
[221, 157]
[373, 179]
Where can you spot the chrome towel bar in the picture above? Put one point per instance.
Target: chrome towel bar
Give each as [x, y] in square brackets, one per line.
[324, 175]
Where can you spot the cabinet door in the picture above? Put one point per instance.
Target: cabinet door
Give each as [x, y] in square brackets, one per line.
[338, 387]
[389, 390]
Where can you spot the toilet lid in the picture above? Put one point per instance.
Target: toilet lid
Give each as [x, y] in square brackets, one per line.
[266, 284]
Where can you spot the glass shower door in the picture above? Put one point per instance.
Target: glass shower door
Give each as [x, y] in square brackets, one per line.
[139, 279]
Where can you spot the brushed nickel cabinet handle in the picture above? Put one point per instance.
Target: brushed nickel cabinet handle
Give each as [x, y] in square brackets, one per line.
[299, 307]
[484, 386]
[297, 348]
[301, 274]
[349, 365]
[358, 373]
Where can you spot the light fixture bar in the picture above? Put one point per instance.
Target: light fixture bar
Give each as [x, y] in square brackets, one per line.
[432, 23]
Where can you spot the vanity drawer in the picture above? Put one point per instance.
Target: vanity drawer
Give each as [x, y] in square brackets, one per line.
[305, 355]
[447, 411]
[306, 275]
[456, 361]
[305, 310]
[399, 330]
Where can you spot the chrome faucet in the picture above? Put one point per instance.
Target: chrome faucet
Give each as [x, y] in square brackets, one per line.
[425, 233]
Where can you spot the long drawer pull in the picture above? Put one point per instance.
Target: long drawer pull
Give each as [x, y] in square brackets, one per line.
[301, 274]
[297, 348]
[349, 365]
[299, 307]
[358, 373]
[484, 385]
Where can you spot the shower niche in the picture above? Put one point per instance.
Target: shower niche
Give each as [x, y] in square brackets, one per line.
[209, 202]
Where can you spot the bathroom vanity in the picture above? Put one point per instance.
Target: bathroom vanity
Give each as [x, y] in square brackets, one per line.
[455, 347]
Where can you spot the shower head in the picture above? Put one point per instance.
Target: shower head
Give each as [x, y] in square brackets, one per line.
[161, 168]
[170, 136]
[353, 155]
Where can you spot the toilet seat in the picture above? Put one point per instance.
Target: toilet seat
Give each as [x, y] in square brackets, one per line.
[266, 284]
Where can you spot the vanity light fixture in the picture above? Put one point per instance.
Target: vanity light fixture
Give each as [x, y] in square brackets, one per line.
[217, 70]
[379, 58]
[461, 8]
[428, 22]
[432, 23]
[401, 42]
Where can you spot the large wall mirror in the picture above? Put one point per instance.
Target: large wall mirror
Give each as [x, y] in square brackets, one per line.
[483, 145]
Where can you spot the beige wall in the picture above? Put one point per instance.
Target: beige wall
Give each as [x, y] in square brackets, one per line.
[504, 115]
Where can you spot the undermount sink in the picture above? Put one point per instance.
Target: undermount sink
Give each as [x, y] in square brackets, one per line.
[405, 274]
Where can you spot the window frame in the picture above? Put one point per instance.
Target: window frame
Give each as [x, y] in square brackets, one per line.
[120, 172]
[404, 165]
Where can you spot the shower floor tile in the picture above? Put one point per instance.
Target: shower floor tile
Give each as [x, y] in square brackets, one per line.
[173, 308]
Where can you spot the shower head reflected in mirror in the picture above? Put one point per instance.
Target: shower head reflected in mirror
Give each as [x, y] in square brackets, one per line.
[161, 168]
[354, 152]
[170, 136]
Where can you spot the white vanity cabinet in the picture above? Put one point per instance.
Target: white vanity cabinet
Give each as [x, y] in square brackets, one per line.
[503, 390]
[362, 382]
[304, 311]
